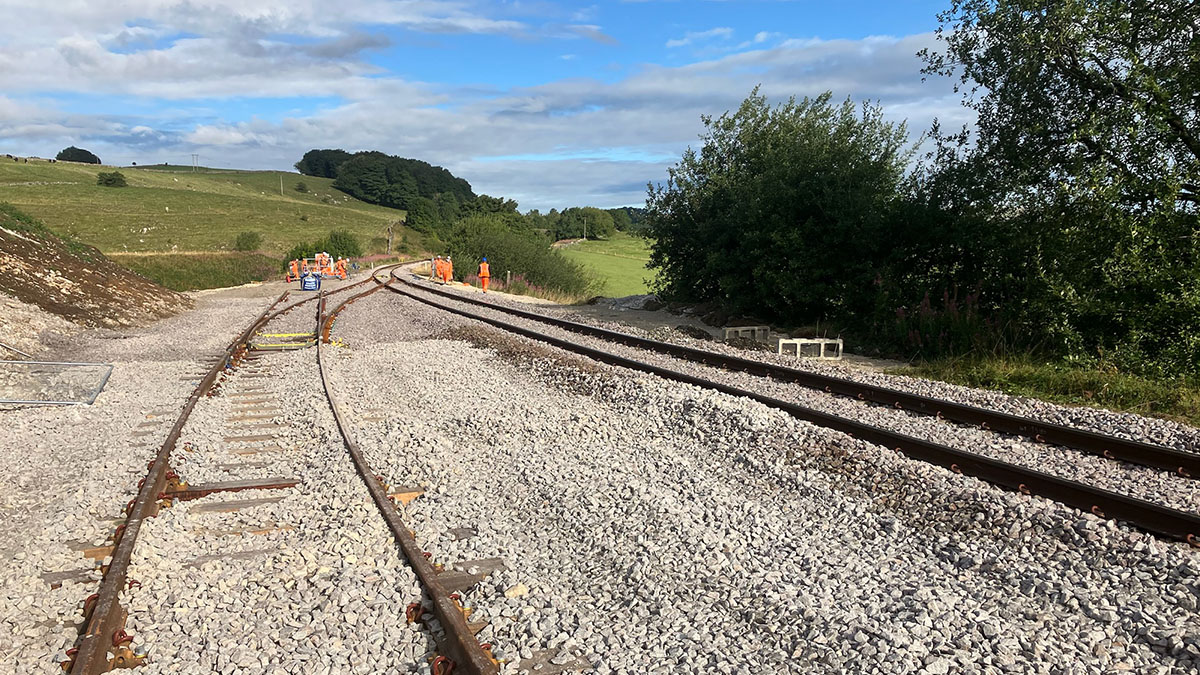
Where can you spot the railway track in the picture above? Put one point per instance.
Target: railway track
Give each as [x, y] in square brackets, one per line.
[1161, 520]
[1186, 464]
[105, 643]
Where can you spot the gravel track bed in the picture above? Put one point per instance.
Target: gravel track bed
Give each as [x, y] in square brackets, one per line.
[66, 472]
[1124, 425]
[1146, 483]
[659, 527]
[323, 591]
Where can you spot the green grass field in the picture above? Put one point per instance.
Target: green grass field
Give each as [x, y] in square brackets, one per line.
[194, 271]
[620, 262]
[172, 208]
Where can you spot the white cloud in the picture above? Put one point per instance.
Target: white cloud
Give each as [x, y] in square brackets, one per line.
[759, 38]
[693, 37]
[545, 136]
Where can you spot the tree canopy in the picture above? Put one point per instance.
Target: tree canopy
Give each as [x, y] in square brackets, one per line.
[1085, 165]
[74, 154]
[323, 163]
[783, 210]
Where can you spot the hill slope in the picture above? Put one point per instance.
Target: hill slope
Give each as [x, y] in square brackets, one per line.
[74, 281]
[172, 208]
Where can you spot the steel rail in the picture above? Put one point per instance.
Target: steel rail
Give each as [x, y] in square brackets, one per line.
[1185, 464]
[310, 298]
[1146, 515]
[104, 626]
[459, 643]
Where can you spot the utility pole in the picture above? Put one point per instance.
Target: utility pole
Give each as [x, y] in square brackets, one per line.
[194, 158]
[585, 228]
[280, 185]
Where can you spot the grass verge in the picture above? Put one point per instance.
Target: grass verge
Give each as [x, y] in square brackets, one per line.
[620, 263]
[197, 271]
[1173, 399]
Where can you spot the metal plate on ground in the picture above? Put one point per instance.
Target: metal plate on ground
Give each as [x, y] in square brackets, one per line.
[52, 382]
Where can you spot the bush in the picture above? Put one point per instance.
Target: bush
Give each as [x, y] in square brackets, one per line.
[339, 244]
[526, 255]
[248, 241]
[111, 179]
[301, 187]
[74, 154]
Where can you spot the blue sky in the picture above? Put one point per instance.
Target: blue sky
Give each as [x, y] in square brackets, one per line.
[550, 103]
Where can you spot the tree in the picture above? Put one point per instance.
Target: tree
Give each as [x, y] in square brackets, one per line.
[575, 222]
[783, 212]
[74, 154]
[1086, 160]
[323, 163]
[396, 181]
[1093, 94]
[620, 218]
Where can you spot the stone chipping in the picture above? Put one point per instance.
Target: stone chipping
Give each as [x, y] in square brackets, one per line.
[649, 526]
[1145, 483]
[642, 525]
[1124, 425]
[67, 472]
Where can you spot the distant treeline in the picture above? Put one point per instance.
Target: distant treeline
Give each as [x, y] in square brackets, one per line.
[436, 199]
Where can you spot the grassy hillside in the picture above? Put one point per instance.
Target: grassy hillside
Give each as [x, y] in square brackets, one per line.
[619, 261]
[194, 271]
[172, 208]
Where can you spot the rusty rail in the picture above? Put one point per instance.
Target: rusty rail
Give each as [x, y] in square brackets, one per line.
[1186, 464]
[1148, 516]
[104, 620]
[459, 643]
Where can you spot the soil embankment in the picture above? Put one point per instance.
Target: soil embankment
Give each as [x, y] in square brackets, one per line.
[72, 281]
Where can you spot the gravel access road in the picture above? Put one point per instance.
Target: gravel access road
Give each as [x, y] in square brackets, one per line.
[650, 526]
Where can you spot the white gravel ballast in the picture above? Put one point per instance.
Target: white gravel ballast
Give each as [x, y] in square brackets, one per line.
[649, 526]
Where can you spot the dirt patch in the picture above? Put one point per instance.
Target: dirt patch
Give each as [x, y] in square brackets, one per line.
[77, 282]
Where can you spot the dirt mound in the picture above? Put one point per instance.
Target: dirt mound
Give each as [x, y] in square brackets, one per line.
[73, 280]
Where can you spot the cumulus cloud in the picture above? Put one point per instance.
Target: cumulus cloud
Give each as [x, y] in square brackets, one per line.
[698, 36]
[560, 143]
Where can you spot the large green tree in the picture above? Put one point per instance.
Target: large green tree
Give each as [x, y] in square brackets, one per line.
[783, 211]
[1086, 159]
[74, 154]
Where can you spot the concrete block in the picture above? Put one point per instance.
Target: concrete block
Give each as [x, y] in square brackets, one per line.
[812, 348]
[756, 333]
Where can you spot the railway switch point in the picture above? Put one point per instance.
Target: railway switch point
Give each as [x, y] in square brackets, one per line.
[755, 333]
[811, 348]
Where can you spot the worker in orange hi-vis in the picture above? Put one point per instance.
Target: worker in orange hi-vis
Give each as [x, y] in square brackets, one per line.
[304, 266]
[437, 269]
[449, 269]
[340, 268]
[294, 269]
[484, 274]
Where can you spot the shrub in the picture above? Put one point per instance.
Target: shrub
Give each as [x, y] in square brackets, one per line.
[111, 179]
[339, 244]
[301, 187]
[248, 241]
[527, 256]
